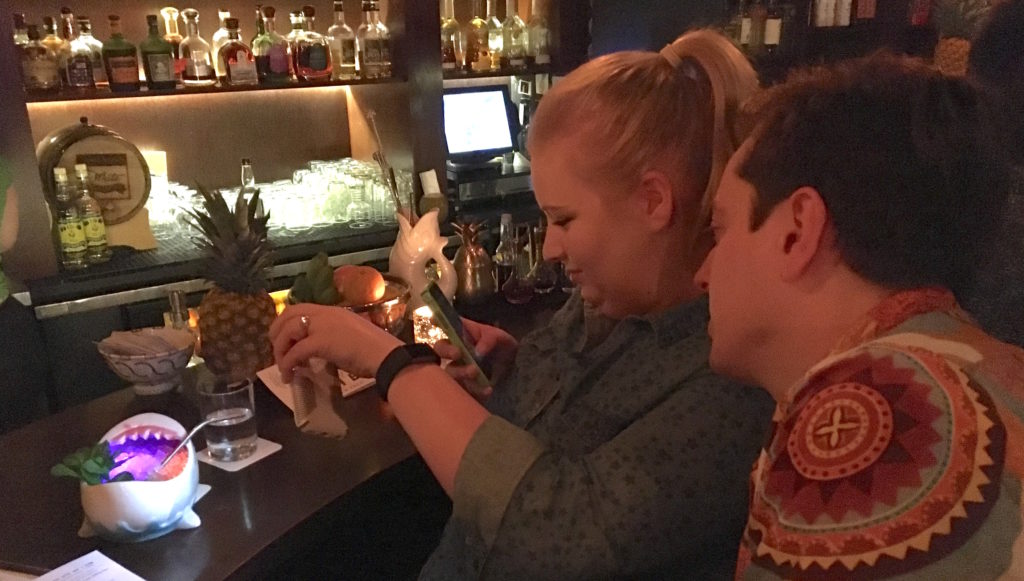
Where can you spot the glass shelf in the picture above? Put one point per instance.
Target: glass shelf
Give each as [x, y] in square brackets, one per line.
[104, 93]
[531, 70]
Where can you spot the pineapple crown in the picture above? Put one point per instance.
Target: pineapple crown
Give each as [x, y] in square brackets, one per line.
[468, 231]
[238, 252]
[960, 18]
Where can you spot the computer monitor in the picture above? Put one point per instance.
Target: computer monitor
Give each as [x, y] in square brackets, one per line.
[480, 123]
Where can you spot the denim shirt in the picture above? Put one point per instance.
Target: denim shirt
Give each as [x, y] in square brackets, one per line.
[613, 452]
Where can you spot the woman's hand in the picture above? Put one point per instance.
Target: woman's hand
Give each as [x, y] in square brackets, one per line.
[492, 345]
[335, 334]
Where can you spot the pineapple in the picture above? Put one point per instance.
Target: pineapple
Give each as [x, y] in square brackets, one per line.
[957, 21]
[235, 315]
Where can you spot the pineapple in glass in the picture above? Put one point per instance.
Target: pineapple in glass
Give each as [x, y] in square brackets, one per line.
[957, 21]
[235, 315]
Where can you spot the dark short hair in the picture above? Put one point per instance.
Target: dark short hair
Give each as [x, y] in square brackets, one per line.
[997, 62]
[902, 156]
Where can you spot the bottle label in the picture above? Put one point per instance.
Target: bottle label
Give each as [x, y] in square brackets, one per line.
[542, 58]
[95, 231]
[123, 70]
[772, 31]
[278, 61]
[39, 71]
[318, 58]
[161, 67]
[197, 65]
[80, 71]
[241, 70]
[99, 74]
[348, 51]
[72, 235]
[745, 30]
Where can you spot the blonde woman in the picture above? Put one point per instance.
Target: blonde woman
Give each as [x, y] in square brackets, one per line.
[609, 449]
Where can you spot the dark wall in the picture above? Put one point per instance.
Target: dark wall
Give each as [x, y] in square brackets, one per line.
[648, 24]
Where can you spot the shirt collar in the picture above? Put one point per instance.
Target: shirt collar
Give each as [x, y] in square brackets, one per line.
[896, 309]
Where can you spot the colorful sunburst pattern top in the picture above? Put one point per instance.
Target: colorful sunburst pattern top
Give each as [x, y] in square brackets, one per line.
[899, 456]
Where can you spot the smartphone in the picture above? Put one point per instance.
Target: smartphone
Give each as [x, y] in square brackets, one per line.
[450, 322]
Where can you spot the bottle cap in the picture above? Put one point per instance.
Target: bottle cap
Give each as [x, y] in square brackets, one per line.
[60, 173]
[246, 161]
[81, 168]
[506, 218]
[151, 19]
[309, 11]
[269, 12]
[231, 23]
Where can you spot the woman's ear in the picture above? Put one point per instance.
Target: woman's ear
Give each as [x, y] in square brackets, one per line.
[655, 199]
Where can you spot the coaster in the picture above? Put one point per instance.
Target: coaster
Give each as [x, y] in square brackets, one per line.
[264, 448]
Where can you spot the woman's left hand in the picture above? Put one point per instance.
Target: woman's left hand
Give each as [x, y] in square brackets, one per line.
[335, 334]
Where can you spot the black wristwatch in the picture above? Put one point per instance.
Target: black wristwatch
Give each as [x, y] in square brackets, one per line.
[400, 358]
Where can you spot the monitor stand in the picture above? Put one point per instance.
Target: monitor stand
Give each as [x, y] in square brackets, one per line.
[473, 165]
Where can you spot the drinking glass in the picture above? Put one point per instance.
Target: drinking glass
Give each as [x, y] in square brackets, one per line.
[234, 439]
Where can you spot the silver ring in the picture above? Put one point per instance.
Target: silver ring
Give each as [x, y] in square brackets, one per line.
[304, 321]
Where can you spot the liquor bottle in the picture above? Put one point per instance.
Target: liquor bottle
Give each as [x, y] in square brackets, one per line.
[120, 59]
[270, 50]
[758, 16]
[69, 230]
[773, 28]
[505, 253]
[157, 57]
[248, 177]
[518, 289]
[55, 43]
[38, 64]
[544, 274]
[298, 22]
[451, 49]
[313, 53]
[516, 38]
[195, 52]
[96, 250]
[171, 35]
[218, 40]
[66, 32]
[731, 28]
[20, 30]
[343, 45]
[745, 24]
[78, 65]
[477, 53]
[495, 35]
[236, 59]
[866, 10]
[99, 73]
[374, 44]
[539, 51]
[824, 13]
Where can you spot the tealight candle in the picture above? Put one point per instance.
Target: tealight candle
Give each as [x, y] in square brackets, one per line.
[423, 328]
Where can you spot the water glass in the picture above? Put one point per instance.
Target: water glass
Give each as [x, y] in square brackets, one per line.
[234, 439]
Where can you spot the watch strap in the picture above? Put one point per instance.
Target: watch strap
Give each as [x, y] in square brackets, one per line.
[400, 358]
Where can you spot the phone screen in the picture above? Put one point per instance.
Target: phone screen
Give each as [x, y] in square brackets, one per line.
[450, 322]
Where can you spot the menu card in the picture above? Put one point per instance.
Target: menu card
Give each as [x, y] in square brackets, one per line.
[94, 566]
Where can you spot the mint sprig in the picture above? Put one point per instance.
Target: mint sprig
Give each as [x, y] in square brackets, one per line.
[91, 464]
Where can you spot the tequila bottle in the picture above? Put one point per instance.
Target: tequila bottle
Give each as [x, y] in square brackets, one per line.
[96, 250]
[158, 58]
[38, 64]
[78, 64]
[195, 52]
[270, 50]
[120, 59]
[312, 52]
[539, 51]
[99, 73]
[20, 30]
[374, 44]
[516, 38]
[343, 45]
[451, 49]
[477, 49]
[236, 59]
[219, 38]
[171, 35]
[69, 231]
[495, 35]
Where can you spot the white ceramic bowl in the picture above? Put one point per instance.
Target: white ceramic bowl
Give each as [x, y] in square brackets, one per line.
[153, 373]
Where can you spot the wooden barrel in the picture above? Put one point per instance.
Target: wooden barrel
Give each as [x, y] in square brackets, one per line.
[119, 175]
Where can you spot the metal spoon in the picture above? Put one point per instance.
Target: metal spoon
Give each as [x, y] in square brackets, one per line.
[195, 430]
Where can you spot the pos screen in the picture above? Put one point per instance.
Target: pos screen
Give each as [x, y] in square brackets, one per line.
[479, 122]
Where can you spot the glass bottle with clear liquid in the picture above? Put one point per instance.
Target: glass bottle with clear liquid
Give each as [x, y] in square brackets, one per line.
[97, 250]
[518, 289]
[544, 274]
[195, 52]
[477, 53]
[69, 232]
[218, 40]
[515, 38]
[78, 66]
[172, 35]
[85, 36]
[38, 64]
[451, 38]
[495, 35]
[505, 253]
[539, 49]
[343, 45]
[373, 41]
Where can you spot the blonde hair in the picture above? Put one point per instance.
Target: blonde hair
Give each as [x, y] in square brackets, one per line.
[638, 111]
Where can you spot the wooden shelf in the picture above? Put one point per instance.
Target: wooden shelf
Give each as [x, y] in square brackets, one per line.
[531, 70]
[105, 93]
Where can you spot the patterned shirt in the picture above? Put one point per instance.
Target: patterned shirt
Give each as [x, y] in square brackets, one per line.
[613, 451]
[900, 455]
